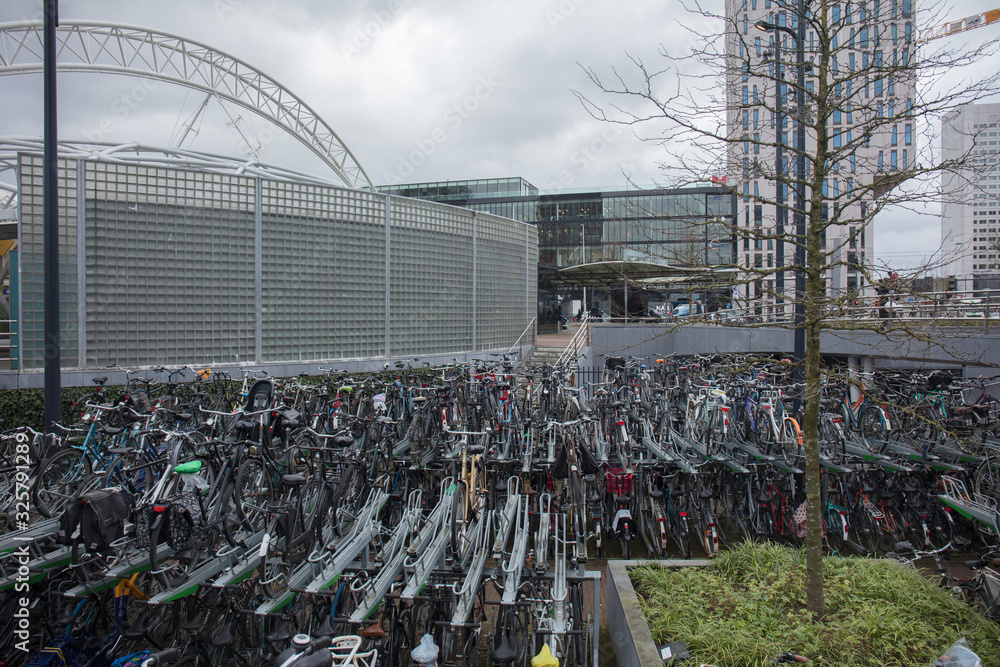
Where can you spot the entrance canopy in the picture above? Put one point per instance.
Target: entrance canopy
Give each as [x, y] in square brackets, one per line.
[613, 273]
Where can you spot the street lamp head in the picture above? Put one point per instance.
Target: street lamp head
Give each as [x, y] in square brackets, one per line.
[764, 25]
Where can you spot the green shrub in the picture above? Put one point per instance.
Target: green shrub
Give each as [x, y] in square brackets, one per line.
[749, 605]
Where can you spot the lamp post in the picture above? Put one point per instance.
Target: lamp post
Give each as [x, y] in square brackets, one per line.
[799, 36]
[583, 260]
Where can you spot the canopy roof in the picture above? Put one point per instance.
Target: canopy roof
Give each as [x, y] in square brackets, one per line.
[612, 274]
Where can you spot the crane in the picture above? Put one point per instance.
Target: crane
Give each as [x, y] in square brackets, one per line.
[961, 25]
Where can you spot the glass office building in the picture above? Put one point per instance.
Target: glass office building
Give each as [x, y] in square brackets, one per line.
[685, 227]
[168, 266]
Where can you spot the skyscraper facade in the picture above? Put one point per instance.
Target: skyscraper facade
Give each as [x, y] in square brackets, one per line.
[870, 132]
[969, 216]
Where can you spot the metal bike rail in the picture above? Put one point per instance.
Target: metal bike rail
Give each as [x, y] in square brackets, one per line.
[434, 539]
[312, 568]
[974, 507]
[394, 564]
[466, 595]
[348, 549]
[505, 518]
[38, 568]
[211, 569]
[702, 451]
[515, 561]
[36, 531]
[542, 534]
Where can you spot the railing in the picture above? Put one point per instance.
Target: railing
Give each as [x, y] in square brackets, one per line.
[518, 341]
[578, 342]
[961, 309]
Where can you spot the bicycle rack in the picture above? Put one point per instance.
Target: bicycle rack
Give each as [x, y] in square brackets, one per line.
[515, 561]
[466, 595]
[974, 507]
[38, 567]
[542, 534]
[37, 531]
[396, 556]
[432, 542]
[208, 571]
[683, 443]
[505, 517]
[347, 551]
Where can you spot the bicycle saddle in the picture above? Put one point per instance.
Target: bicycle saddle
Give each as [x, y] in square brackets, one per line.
[282, 633]
[503, 654]
[225, 636]
[373, 631]
[342, 440]
[194, 623]
[476, 450]
[293, 480]
[136, 630]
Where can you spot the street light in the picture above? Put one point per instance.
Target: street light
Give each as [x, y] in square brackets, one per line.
[799, 36]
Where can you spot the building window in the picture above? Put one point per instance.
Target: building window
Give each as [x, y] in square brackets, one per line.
[908, 134]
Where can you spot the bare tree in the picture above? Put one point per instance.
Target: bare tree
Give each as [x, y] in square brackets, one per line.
[830, 116]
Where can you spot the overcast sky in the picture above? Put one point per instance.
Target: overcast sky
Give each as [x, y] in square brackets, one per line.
[419, 90]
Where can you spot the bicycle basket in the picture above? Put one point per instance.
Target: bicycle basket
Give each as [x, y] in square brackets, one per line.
[618, 481]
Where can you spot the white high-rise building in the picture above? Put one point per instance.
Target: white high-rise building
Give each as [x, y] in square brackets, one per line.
[970, 216]
[871, 74]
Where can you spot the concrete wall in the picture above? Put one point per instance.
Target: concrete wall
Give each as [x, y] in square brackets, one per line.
[979, 351]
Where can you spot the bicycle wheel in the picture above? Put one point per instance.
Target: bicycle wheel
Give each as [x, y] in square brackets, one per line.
[348, 498]
[791, 441]
[979, 598]
[873, 426]
[836, 531]
[273, 569]
[80, 407]
[987, 478]
[866, 530]
[942, 528]
[59, 480]
[253, 494]
[831, 441]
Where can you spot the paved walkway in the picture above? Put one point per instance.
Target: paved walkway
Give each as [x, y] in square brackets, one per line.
[560, 340]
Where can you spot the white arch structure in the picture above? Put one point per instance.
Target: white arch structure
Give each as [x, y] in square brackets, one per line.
[129, 50]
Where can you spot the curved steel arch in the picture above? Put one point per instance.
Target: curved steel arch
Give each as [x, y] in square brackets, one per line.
[121, 49]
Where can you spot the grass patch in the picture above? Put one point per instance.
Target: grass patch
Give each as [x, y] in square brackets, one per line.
[749, 605]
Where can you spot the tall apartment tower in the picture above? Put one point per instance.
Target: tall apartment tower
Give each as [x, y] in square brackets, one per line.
[969, 216]
[872, 53]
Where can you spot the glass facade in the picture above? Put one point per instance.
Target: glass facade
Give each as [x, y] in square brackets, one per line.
[453, 191]
[688, 227]
[185, 267]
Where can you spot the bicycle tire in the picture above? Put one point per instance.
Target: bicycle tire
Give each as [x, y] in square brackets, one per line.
[872, 425]
[348, 497]
[791, 441]
[253, 495]
[274, 571]
[979, 599]
[59, 480]
[835, 529]
[987, 478]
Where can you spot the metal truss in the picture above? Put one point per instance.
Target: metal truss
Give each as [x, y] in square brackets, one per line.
[120, 49]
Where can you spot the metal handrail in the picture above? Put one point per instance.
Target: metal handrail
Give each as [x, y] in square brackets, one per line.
[575, 344]
[526, 329]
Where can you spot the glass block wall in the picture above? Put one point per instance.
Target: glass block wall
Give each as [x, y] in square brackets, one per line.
[431, 283]
[32, 312]
[189, 267]
[323, 260]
